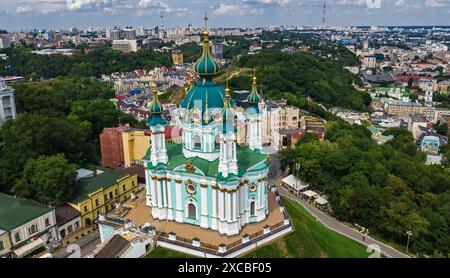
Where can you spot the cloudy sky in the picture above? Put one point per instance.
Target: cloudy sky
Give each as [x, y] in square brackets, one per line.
[27, 14]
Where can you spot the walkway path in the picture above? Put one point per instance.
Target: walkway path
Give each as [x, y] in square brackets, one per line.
[339, 227]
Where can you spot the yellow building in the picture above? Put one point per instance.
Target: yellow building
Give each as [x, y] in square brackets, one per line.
[5, 244]
[177, 57]
[444, 87]
[135, 145]
[99, 192]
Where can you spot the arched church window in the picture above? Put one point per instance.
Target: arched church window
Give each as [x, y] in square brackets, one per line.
[252, 208]
[217, 142]
[192, 211]
[197, 142]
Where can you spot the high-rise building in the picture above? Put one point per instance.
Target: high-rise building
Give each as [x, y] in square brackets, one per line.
[7, 103]
[116, 34]
[108, 32]
[4, 43]
[140, 31]
[217, 48]
[129, 33]
[125, 46]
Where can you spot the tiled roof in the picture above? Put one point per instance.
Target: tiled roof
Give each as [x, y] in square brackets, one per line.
[113, 248]
[65, 214]
[87, 186]
[246, 159]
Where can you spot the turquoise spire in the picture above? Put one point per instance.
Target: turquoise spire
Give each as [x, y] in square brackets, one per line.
[227, 114]
[155, 109]
[206, 95]
[206, 65]
[254, 98]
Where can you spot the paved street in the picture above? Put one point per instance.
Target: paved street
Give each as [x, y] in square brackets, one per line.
[339, 227]
[275, 177]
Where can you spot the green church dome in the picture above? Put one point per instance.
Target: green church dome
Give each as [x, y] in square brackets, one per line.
[206, 65]
[254, 98]
[155, 109]
[206, 94]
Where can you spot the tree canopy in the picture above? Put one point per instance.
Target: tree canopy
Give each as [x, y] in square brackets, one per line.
[386, 188]
[89, 63]
[303, 75]
[47, 179]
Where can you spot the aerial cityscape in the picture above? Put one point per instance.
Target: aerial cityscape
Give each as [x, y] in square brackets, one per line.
[298, 129]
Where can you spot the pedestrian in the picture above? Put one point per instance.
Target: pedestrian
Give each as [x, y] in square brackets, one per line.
[364, 238]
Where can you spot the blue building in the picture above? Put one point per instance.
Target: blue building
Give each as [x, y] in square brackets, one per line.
[430, 144]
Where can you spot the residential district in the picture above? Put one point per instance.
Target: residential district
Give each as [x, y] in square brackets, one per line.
[198, 179]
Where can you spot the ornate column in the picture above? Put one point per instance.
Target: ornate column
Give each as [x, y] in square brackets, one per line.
[228, 202]
[148, 185]
[169, 199]
[235, 205]
[214, 207]
[204, 202]
[179, 202]
[221, 206]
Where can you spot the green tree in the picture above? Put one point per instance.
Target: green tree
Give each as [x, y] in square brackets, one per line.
[48, 179]
[308, 138]
[98, 113]
[32, 135]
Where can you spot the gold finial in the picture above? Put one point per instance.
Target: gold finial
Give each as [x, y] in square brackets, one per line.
[191, 81]
[154, 89]
[254, 76]
[227, 90]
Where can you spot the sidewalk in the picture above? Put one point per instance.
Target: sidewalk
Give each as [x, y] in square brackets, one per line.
[339, 227]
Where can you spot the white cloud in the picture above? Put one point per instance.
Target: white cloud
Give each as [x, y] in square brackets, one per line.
[152, 4]
[21, 9]
[434, 3]
[281, 3]
[233, 9]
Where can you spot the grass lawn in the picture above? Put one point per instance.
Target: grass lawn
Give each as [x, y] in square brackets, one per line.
[310, 239]
[160, 252]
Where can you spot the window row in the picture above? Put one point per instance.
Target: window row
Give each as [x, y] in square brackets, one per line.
[198, 142]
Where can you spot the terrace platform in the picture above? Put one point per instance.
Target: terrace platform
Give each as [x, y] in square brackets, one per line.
[206, 242]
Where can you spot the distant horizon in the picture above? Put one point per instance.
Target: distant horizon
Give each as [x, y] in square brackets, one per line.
[236, 27]
[64, 14]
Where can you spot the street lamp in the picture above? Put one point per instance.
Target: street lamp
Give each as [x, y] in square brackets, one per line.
[409, 233]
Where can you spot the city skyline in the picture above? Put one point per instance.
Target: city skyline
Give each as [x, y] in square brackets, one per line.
[55, 14]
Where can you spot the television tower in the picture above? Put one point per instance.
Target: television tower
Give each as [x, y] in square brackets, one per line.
[324, 12]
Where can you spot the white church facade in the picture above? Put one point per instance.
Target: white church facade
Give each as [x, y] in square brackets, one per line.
[208, 180]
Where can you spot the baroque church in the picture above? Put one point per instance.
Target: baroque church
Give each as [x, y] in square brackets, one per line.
[208, 180]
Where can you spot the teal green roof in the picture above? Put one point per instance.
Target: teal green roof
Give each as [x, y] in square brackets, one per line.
[205, 95]
[86, 186]
[246, 159]
[155, 110]
[254, 97]
[15, 211]
[155, 106]
[155, 119]
[206, 65]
